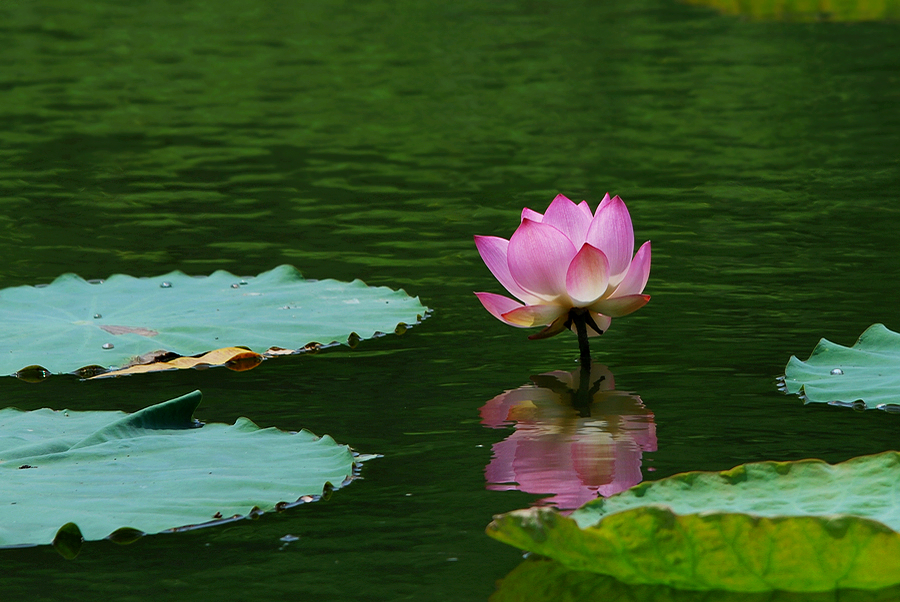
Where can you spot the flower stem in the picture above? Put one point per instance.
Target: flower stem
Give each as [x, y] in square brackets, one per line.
[583, 346]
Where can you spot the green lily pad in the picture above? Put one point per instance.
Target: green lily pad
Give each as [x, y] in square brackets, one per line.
[802, 526]
[72, 324]
[866, 375]
[540, 579]
[68, 475]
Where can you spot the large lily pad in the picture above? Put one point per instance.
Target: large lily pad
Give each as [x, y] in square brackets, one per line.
[72, 323]
[866, 375]
[111, 473]
[540, 579]
[795, 526]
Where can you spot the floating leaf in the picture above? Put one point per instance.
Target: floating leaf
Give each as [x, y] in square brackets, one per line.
[539, 580]
[235, 358]
[68, 475]
[866, 375]
[800, 526]
[74, 324]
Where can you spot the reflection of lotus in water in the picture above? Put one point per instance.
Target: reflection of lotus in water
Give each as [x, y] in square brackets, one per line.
[575, 437]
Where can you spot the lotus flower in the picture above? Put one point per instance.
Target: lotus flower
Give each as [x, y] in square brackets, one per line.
[570, 268]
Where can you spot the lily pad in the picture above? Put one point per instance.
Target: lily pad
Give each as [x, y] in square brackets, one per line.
[866, 375]
[68, 475]
[73, 324]
[800, 526]
[539, 580]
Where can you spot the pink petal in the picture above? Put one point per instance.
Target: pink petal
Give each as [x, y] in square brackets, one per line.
[611, 231]
[583, 205]
[553, 329]
[534, 315]
[587, 276]
[638, 272]
[498, 305]
[532, 215]
[620, 306]
[606, 200]
[493, 251]
[565, 216]
[538, 257]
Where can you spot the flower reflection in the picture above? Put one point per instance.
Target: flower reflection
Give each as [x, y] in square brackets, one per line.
[575, 437]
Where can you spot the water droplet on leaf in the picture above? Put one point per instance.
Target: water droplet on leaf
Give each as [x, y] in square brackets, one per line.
[166, 285]
[837, 372]
[108, 345]
[235, 285]
[97, 316]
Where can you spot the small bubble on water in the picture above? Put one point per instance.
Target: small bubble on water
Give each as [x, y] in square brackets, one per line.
[235, 285]
[108, 345]
[97, 316]
[166, 284]
[837, 372]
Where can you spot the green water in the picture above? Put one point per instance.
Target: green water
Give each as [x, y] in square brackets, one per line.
[372, 140]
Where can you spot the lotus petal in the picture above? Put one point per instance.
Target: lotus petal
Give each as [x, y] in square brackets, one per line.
[611, 231]
[603, 203]
[568, 218]
[638, 272]
[532, 215]
[587, 276]
[498, 305]
[620, 306]
[583, 206]
[554, 328]
[539, 256]
[493, 251]
[535, 315]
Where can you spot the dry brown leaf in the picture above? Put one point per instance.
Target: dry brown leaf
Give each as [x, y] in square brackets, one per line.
[234, 358]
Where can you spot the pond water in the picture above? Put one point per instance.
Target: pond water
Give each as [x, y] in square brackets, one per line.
[371, 140]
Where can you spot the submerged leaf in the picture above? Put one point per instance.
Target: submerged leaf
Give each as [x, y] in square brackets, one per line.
[801, 526]
[72, 323]
[117, 475]
[867, 373]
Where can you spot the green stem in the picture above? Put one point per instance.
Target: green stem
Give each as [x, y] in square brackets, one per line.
[583, 346]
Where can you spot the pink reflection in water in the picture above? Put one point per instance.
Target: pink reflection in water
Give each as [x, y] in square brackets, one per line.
[575, 437]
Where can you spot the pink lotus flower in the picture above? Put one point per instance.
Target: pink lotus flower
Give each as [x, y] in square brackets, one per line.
[567, 265]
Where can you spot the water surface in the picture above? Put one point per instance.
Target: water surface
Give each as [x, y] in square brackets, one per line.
[372, 140]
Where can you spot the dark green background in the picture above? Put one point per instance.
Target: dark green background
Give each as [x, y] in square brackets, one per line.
[372, 139]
